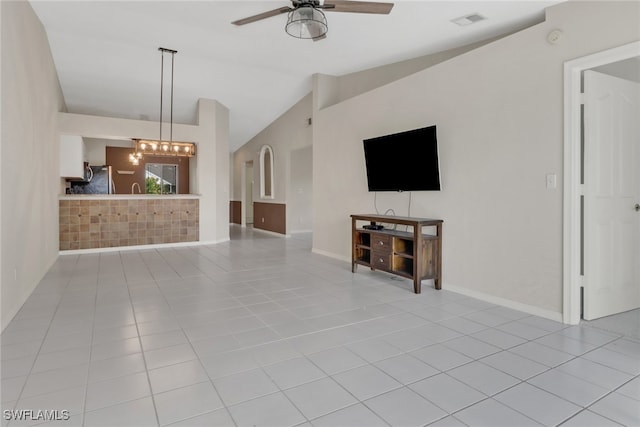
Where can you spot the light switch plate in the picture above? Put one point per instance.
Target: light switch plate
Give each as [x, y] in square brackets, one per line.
[551, 181]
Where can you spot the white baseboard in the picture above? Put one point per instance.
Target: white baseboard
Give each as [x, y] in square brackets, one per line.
[526, 308]
[273, 233]
[212, 242]
[331, 255]
[141, 247]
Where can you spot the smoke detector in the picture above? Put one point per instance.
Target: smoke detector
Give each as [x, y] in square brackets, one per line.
[463, 21]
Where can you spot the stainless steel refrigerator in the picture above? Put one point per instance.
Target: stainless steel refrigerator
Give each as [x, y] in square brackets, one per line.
[98, 180]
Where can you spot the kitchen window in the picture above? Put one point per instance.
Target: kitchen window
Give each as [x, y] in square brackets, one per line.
[161, 178]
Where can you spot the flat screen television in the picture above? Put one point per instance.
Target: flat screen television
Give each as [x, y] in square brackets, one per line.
[405, 161]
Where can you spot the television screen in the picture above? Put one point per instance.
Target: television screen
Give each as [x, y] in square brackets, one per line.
[405, 161]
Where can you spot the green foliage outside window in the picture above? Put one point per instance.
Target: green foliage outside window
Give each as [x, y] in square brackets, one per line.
[152, 186]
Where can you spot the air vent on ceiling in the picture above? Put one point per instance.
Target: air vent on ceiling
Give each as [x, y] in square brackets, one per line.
[468, 19]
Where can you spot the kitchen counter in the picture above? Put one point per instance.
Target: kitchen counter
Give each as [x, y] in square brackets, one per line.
[90, 221]
[127, 196]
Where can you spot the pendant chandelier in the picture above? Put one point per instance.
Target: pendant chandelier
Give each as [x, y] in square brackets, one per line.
[161, 147]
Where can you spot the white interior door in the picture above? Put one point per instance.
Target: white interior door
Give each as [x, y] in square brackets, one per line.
[611, 192]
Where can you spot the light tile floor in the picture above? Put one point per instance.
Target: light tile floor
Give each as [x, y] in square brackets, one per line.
[260, 331]
[627, 323]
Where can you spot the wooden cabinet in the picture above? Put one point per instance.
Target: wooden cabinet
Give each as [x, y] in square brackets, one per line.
[72, 157]
[408, 253]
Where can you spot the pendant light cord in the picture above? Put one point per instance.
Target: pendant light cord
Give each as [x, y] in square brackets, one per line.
[173, 54]
[161, 87]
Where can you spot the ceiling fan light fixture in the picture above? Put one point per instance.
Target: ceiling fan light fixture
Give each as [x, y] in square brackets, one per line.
[306, 22]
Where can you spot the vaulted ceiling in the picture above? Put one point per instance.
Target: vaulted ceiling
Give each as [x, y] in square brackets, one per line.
[106, 52]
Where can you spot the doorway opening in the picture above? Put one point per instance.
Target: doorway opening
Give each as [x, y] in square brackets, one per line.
[247, 206]
[574, 189]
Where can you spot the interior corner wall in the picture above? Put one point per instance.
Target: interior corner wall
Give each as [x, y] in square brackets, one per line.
[222, 171]
[29, 169]
[499, 116]
[288, 133]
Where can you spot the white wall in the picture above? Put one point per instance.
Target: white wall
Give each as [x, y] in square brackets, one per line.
[300, 198]
[96, 149]
[219, 175]
[353, 84]
[30, 181]
[629, 69]
[336, 89]
[499, 112]
[288, 133]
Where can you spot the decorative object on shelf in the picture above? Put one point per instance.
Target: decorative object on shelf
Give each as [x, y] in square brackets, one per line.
[306, 20]
[161, 147]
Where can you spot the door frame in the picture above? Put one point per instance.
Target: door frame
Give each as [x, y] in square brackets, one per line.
[572, 211]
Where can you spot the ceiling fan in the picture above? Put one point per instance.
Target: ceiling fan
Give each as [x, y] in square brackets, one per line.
[306, 19]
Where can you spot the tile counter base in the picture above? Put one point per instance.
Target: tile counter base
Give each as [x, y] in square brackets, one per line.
[101, 223]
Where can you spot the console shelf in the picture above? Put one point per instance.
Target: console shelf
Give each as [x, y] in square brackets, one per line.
[413, 255]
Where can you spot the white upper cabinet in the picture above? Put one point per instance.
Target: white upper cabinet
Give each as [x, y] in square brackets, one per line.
[72, 156]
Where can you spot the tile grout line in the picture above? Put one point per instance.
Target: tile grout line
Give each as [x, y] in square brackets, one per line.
[210, 381]
[43, 340]
[608, 393]
[93, 326]
[575, 357]
[144, 359]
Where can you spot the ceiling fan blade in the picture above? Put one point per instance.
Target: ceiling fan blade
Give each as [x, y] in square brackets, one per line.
[264, 15]
[357, 6]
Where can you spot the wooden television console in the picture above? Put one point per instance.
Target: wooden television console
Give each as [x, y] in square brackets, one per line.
[409, 254]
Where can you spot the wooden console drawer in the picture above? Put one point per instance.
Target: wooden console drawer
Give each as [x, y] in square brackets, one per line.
[381, 261]
[380, 242]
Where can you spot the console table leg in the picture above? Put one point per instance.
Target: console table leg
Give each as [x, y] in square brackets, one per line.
[353, 245]
[417, 258]
[438, 280]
